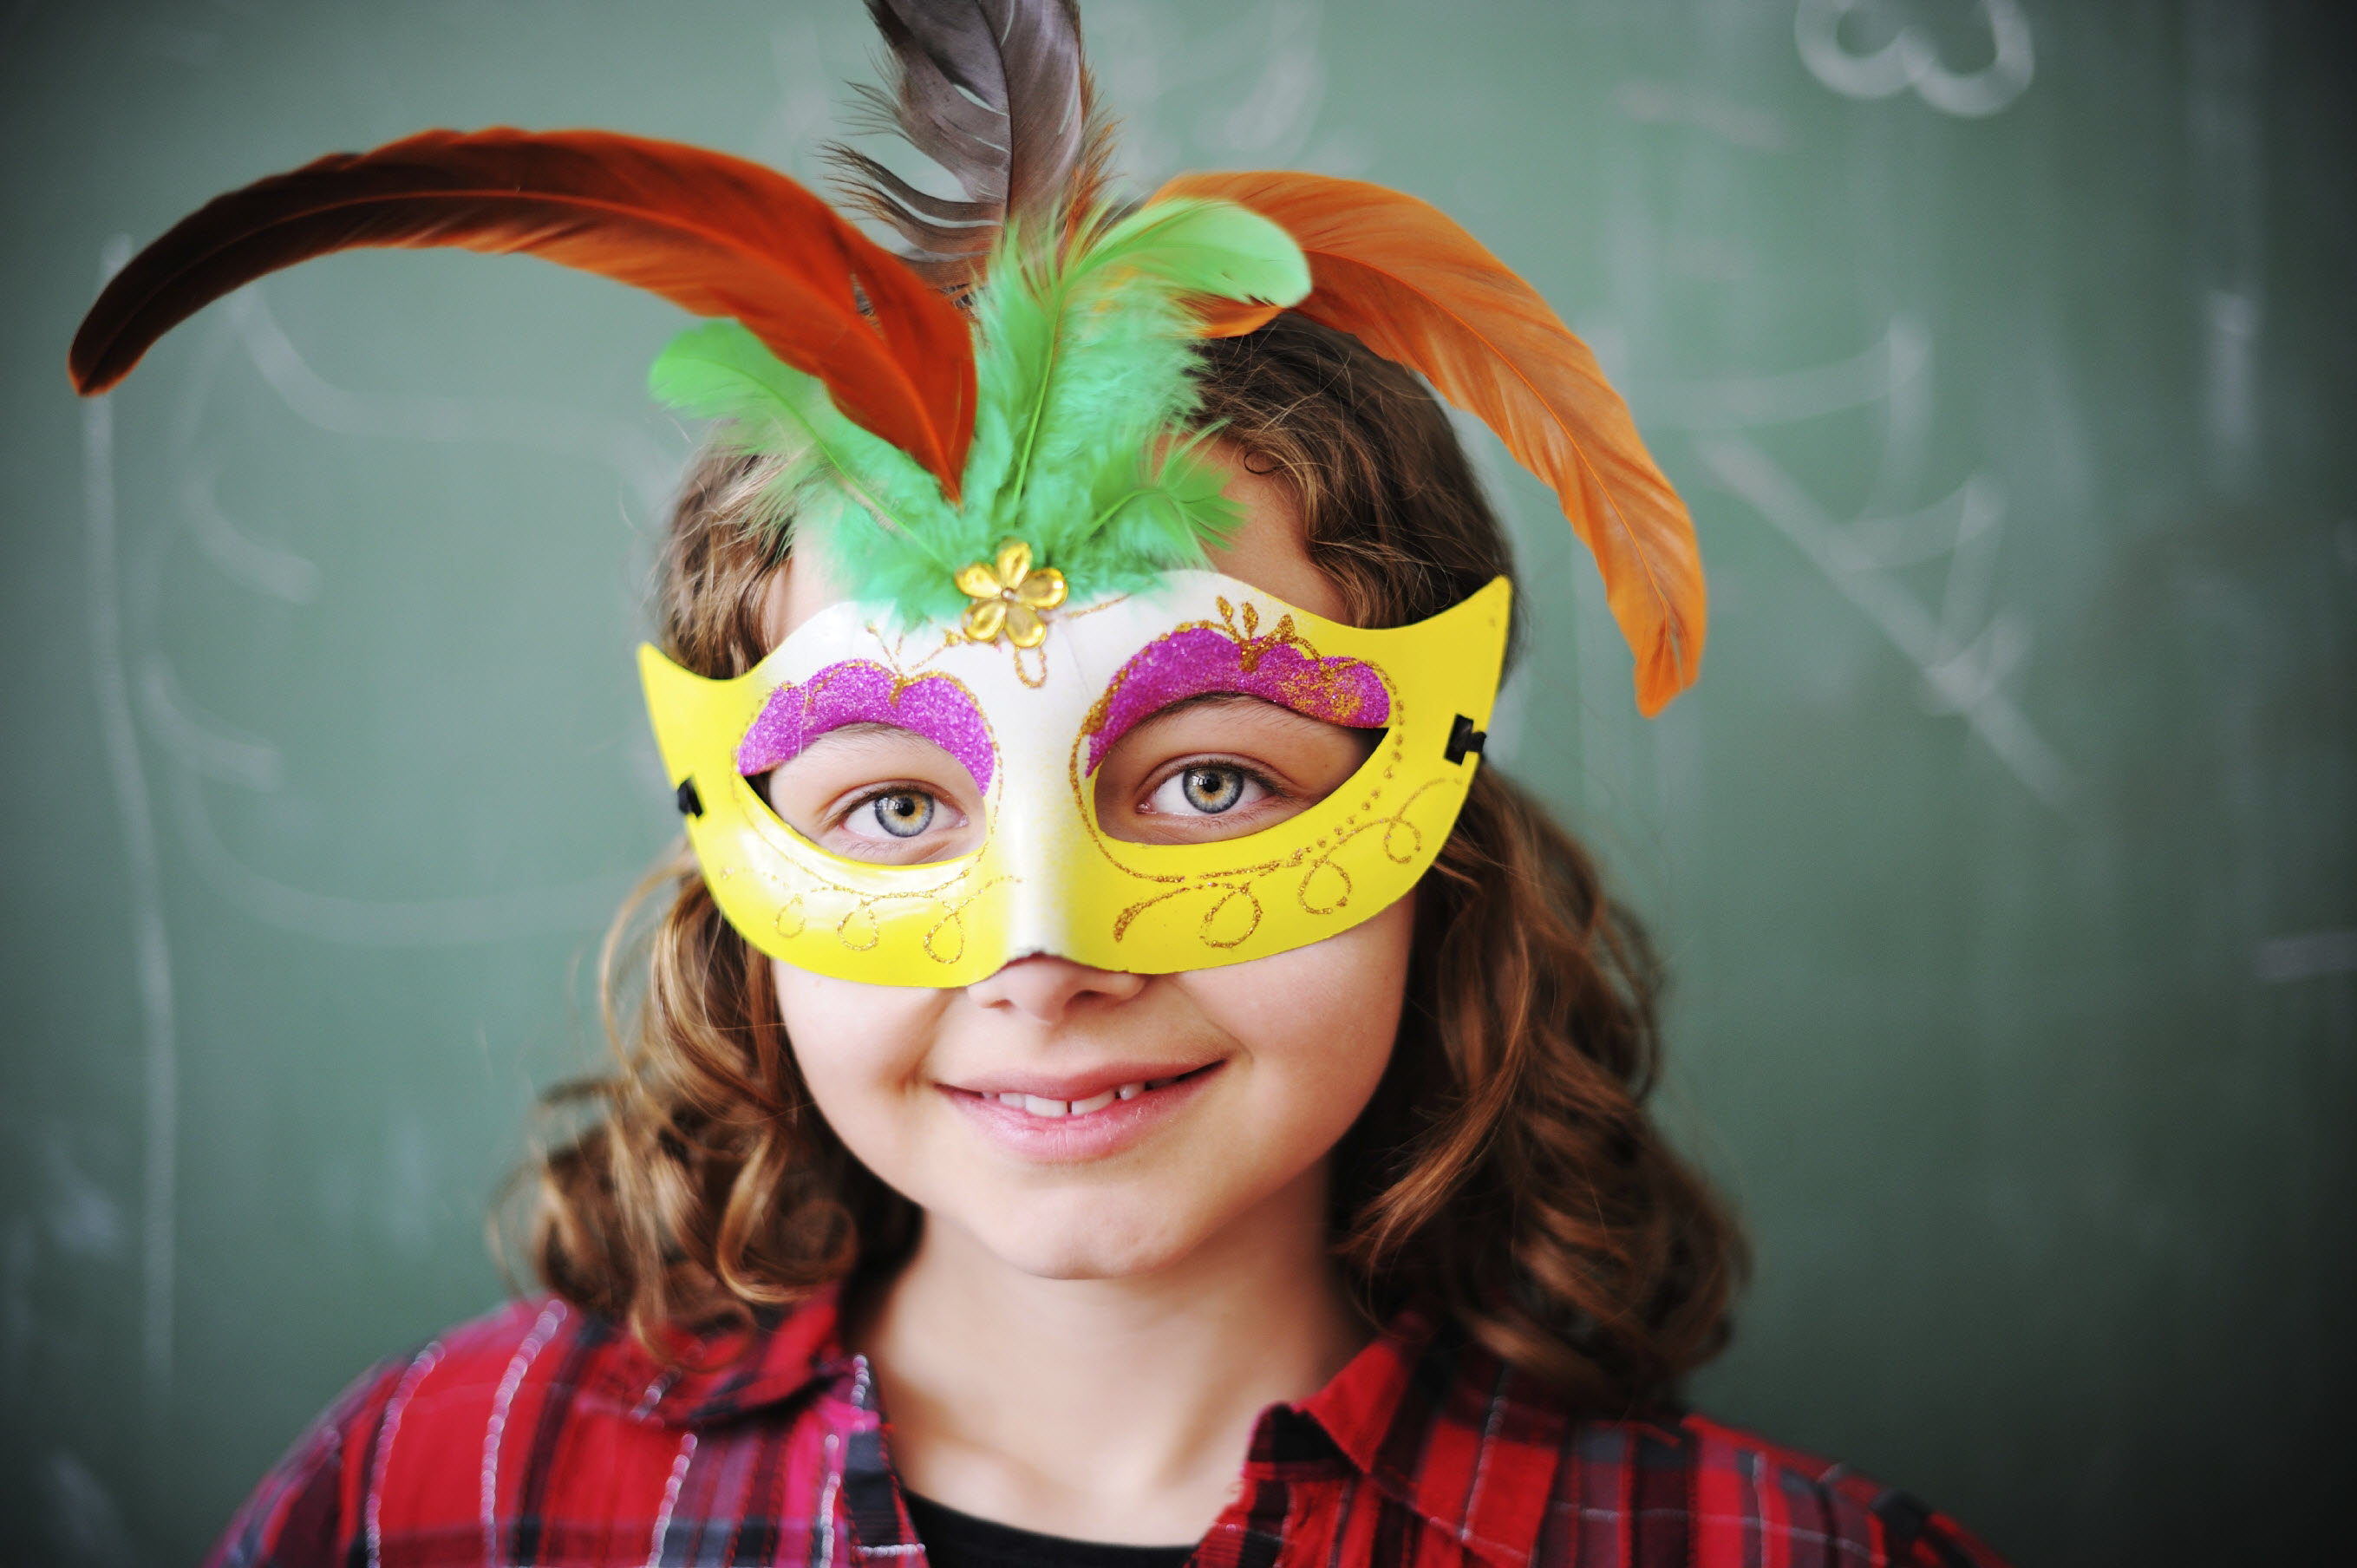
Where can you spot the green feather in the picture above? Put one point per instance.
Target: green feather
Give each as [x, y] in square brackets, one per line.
[1212, 248]
[1091, 334]
[1084, 365]
[720, 370]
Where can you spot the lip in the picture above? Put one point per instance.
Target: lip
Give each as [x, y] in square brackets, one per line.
[1079, 1085]
[1095, 1136]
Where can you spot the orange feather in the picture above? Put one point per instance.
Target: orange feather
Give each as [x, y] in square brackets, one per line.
[1403, 279]
[1229, 317]
[715, 234]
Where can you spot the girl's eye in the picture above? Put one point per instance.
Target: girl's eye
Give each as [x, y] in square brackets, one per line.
[1213, 790]
[1206, 789]
[903, 814]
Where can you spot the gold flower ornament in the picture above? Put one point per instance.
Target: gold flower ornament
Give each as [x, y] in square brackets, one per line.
[1010, 595]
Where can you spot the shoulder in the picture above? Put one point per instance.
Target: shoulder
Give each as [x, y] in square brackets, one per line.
[501, 1416]
[302, 1510]
[1688, 1490]
[1508, 1466]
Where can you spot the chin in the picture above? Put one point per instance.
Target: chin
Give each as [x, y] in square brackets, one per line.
[1104, 1246]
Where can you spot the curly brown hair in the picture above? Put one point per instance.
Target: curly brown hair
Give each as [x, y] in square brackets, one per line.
[1505, 1167]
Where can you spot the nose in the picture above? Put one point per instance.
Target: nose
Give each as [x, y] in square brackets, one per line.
[1046, 989]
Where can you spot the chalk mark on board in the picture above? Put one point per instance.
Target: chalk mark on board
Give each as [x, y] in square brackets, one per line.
[1746, 402]
[83, 1519]
[1966, 651]
[2309, 955]
[201, 743]
[1912, 59]
[606, 443]
[200, 747]
[797, 131]
[244, 560]
[143, 878]
[467, 920]
[1962, 674]
[1274, 120]
[1648, 101]
[1275, 117]
[2225, 52]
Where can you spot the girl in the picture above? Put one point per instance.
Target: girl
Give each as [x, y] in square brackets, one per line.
[1116, 1079]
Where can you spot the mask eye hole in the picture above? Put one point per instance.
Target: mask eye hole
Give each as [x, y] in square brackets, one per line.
[1221, 767]
[877, 793]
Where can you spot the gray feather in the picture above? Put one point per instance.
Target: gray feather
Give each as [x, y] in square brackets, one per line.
[996, 92]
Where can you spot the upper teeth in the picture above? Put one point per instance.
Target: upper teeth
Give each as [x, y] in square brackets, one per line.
[1035, 1105]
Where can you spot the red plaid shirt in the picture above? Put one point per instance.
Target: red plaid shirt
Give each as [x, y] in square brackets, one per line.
[540, 1435]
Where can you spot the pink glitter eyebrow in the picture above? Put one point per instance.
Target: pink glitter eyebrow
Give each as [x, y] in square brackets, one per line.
[1199, 660]
[858, 692]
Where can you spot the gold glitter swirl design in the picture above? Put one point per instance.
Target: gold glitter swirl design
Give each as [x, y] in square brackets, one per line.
[1239, 886]
[861, 927]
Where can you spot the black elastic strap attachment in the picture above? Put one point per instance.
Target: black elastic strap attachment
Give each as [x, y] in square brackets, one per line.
[1464, 739]
[691, 804]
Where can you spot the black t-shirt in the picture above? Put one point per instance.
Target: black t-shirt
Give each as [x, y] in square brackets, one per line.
[955, 1540]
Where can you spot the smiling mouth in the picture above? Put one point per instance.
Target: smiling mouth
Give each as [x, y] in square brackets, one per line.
[1048, 1110]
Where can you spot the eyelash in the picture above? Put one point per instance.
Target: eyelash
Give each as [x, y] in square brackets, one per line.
[1162, 776]
[1277, 789]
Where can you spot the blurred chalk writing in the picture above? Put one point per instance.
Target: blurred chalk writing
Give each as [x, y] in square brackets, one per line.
[1909, 58]
[1968, 651]
[196, 748]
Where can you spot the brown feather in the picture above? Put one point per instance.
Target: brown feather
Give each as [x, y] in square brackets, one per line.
[712, 233]
[1086, 183]
[1403, 279]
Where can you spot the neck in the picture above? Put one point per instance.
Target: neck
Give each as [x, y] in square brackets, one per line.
[1111, 1410]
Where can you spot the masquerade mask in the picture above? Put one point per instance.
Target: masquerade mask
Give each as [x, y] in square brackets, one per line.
[1032, 734]
[990, 437]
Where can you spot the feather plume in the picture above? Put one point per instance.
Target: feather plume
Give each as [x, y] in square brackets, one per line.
[1408, 283]
[715, 234]
[1052, 332]
[719, 370]
[998, 93]
[1086, 379]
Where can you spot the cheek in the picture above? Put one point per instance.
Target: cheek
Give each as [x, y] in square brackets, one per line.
[1319, 1021]
[861, 1050]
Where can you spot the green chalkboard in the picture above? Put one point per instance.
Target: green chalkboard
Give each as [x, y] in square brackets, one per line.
[2007, 852]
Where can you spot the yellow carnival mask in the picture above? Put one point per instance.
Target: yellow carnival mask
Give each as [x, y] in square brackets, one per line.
[1030, 726]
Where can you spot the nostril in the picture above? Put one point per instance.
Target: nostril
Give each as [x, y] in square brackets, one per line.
[1044, 986]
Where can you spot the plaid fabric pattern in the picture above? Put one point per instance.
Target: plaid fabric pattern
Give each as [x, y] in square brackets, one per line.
[538, 1435]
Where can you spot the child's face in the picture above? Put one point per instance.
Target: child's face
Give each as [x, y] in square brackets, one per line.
[1076, 1123]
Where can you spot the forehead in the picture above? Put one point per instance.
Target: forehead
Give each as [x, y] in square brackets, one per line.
[1106, 665]
[1268, 552]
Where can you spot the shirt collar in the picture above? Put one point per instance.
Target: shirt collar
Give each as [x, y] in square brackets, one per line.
[1440, 1424]
[706, 1377]
[1434, 1420]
